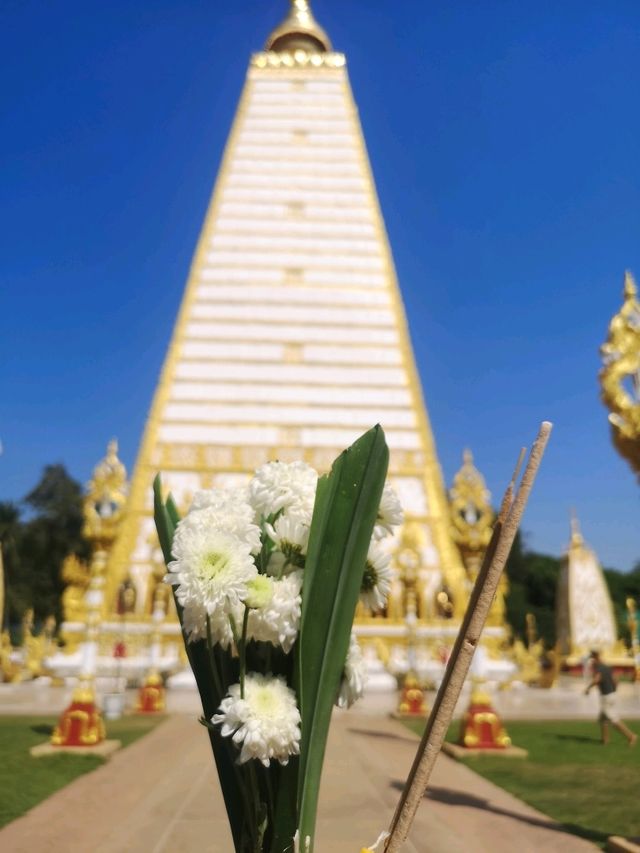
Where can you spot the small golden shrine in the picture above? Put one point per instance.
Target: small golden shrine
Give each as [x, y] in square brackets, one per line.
[481, 727]
[81, 724]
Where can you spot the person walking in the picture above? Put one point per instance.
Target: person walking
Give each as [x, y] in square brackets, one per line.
[602, 678]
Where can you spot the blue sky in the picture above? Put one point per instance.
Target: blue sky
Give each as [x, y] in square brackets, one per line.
[505, 140]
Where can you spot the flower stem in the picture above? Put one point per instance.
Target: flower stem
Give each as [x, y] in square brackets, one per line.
[243, 651]
[212, 661]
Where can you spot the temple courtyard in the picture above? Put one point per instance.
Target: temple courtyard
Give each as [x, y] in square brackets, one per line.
[160, 792]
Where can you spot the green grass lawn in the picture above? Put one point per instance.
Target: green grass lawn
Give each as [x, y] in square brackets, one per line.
[589, 788]
[25, 781]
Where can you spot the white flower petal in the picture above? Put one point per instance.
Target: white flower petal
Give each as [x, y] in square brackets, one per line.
[282, 485]
[376, 581]
[354, 677]
[390, 513]
[266, 722]
[278, 623]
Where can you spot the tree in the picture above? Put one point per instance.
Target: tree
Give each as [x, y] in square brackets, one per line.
[16, 592]
[34, 549]
[53, 532]
[533, 579]
[623, 585]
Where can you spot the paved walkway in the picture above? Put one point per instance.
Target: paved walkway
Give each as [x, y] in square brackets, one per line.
[161, 795]
[567, 701]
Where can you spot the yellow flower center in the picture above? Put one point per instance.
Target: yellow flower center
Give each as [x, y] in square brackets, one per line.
[259, 592]
[213, 564]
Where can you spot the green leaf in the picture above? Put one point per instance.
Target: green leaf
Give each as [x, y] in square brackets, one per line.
[172, 510]
[285, 820]
[167, 518]
[165, 525]
[344, 515]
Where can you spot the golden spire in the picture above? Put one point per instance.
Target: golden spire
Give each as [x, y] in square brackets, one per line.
[620, 375]
[299, 31]
[576, 536]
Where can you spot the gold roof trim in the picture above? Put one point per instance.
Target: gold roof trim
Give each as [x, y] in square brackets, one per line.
[297, 59]
[299, 30]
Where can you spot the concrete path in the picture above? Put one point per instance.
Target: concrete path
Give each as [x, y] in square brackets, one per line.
[161, 795]
[565, 702]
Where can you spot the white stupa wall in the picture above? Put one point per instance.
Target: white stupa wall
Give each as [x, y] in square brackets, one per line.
[292, 338]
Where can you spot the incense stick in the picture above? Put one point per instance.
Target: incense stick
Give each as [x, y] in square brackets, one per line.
[511, 511]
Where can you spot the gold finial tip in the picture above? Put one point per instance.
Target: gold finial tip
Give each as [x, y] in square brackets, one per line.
[467, 456]
[630, 288]
[576, 535]
[299, 31]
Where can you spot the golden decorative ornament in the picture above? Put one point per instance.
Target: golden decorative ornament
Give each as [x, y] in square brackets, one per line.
[471, 513]
[106, 498]
[620, 376]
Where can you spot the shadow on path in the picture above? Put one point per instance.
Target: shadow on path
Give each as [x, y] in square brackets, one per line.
[451, 797]
[577, 739]
[384, 735]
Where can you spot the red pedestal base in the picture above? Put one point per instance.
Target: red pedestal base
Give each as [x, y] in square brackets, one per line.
[412, 702]
[151, 696]
[481, 726]
[81, 723]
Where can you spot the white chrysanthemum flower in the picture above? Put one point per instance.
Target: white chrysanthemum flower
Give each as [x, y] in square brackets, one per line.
[278, 623]
[376, 580]
[226, 510]
[224, 500]
[266, 723]
[210, 572]
[354, 676]
[283, 485]
[290, 534]
[390, 513]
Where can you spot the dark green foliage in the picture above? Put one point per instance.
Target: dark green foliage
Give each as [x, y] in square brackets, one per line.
[623, 585]
[16, 594]
[533, 579]
[36, 537]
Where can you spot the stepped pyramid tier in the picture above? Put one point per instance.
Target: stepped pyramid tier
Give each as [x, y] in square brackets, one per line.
[584, 612]
[292, 338]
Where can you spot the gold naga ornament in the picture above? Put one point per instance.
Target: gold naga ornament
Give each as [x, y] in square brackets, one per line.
[471, 514]
[472, 519]
[620, 376]
[106, 499]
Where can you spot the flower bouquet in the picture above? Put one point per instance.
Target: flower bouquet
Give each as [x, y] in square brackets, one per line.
[266, 582]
